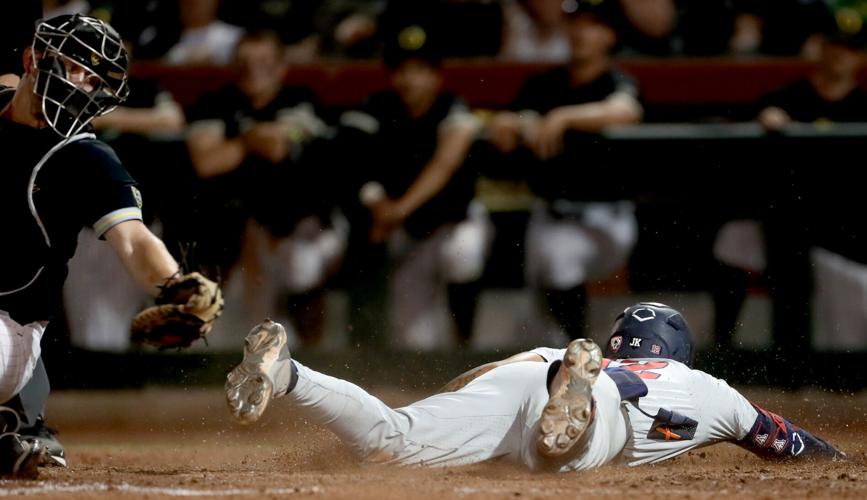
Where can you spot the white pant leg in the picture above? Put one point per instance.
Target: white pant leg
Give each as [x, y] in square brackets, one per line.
[465, 250]
[602, 442]
[417, 294]
[483, 420]
[100, 296]
[564, 253]
[305, 259]
[19, 351]
[454, 253]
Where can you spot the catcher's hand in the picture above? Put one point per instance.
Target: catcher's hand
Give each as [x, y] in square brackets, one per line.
[185, 311]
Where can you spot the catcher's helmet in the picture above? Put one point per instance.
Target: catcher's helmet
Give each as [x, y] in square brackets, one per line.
[650, 330]
[81, 71]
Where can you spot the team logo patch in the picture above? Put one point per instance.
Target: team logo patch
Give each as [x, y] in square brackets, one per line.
[796, 440]
[643, 314]
[655, 349]
[635, 342]
[779, 445]
[95, 59]
[669, 425]
[136, 194]
[616, 342]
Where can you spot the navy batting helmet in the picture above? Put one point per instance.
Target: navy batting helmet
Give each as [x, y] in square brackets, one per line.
[650, 330]
[81, 71]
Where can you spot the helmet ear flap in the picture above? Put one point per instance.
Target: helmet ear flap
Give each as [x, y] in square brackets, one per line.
[676, 321]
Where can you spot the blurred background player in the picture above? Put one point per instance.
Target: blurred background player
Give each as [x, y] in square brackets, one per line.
[204, 38]
[535, 31]
[419, 199]
[74, 71]
[778, 244]
[577, 232]
[265, 211]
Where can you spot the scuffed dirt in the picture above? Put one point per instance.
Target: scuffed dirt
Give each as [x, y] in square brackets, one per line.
[168, 443]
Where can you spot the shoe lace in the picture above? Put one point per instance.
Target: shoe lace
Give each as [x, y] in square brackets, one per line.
[5, 427]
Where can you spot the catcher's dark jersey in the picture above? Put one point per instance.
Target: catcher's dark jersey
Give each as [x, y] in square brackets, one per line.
[404, 145]
[43, 208]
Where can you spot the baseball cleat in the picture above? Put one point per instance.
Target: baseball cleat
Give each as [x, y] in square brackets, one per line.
[569, 410]
[20, 458]
[264, 374]
[55, 455]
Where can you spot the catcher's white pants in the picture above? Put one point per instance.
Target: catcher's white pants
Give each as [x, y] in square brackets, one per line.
[493, 416]
[19, 352]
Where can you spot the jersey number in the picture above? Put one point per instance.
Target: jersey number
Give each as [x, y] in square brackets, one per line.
[643, 369]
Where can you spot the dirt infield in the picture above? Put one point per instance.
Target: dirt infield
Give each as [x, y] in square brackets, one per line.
[167, 443]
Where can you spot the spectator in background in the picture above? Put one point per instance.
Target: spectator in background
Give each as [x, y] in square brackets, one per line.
[581, 230]
[645, 26]
[310, 28]
[463, 28]
[152, 27]
[348, 27]
[204, 38]
[777, 242]
[54, 8]
[830, 93]
[254, 145]
[414, 140]
[535, 31]
[780, 27]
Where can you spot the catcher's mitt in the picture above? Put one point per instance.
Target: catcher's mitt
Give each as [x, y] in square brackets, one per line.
[185, 311]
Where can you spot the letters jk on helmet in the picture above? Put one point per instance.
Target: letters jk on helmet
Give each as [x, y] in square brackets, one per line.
[650, 330]
[81, 71]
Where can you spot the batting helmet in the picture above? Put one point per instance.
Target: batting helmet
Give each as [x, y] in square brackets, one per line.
[81, 68]
[650, 330]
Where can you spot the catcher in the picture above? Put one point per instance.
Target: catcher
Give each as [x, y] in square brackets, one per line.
[55, 179]
[550, 409]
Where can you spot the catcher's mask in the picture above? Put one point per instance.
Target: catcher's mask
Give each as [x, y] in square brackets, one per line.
[81, 68]
[650, 330]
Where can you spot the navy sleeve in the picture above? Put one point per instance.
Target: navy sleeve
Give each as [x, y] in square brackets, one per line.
[100, 190]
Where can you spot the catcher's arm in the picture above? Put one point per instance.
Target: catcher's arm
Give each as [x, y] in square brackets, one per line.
[186, 304]
[465, 378]
[143, 255]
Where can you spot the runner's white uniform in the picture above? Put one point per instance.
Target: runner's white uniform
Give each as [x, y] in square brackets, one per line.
[496, 415]
[721, 412]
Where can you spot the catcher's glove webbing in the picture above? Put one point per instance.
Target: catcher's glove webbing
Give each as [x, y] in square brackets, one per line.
[185, 311]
